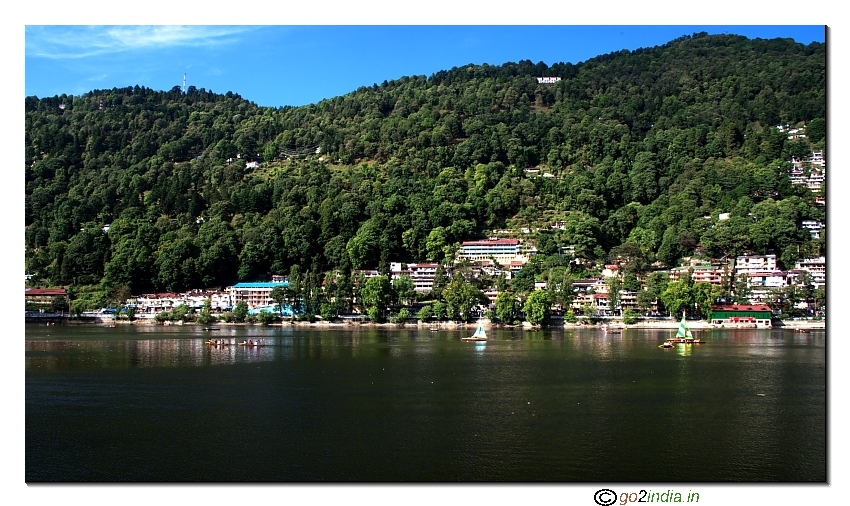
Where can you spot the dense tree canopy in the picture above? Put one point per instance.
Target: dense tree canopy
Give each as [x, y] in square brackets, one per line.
[637, 150]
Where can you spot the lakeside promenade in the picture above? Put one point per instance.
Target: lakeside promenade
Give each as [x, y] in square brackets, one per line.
[448, 325]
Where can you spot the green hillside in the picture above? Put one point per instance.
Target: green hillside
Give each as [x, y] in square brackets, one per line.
[636, 147]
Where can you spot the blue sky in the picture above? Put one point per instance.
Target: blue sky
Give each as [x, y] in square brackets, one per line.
[297, 65]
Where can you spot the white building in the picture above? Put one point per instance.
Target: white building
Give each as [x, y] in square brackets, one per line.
[702, 273]
[814, 227]
[256, 295]
[749, 264]
[421, 274]
[816, 268]
[503, 251]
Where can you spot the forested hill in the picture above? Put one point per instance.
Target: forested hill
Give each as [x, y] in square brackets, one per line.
[642, 145]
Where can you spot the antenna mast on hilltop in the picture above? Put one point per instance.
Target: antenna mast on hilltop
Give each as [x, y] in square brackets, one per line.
[184, 82]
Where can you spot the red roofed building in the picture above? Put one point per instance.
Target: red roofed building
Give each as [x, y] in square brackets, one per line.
[44, 296]
[757, 314]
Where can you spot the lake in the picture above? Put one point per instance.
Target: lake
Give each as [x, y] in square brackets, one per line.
[152, 404]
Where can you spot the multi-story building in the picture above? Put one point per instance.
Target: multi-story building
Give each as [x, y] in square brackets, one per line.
[798, 176]
[421, 274]
[503, 251]
[255, 294]
[628, 300]
[815, 181]
[814, 227]
[748, 264]
[763, 285]
[366, 273]
[816, 268]
[44, 296]
[148, 305]
[703, 273]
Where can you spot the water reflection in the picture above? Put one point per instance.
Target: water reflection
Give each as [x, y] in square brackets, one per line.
[684, 350]
[408, 404]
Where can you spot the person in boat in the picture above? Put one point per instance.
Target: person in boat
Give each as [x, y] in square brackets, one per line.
[250, 343]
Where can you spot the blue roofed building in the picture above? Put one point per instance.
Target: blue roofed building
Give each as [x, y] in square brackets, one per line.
[256, 294]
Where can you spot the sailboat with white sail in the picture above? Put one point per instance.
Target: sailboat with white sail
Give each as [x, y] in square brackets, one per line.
[479, 335]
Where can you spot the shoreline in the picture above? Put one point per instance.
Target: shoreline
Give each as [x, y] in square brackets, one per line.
[451, 325]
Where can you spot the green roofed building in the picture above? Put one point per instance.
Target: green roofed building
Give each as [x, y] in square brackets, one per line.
[736, 314]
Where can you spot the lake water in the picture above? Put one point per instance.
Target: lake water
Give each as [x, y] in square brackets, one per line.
[153, 403]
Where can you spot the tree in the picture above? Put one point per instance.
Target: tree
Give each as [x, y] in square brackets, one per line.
[538, 307]
[425, 313]
[376, 295]
[461, 297]
[656, 283]
[590, 311]
[523, 282]
[704, 295]
[375, 314]
[265, 317]
[820, 299]
[506, 307]
[205, 315]
[559, 284]
[816, 130]
[240, 312]
[181, 312]
[742, 289]
[630, 256]
[404, 289]
[677, 297]
[328, 311]
[645, 300]
[402, 317]
[440, 311]
[280, 294]
[435, 243]
[440, 280]
[614, 285]
[630, 316]
[295, 289]
[420, 164]
[631, 283]
[58, 304]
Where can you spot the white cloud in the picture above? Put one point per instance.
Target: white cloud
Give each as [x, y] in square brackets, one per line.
[83, 41]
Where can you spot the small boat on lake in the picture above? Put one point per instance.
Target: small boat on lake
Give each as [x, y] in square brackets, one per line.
[212, 328]
[684, 335]
[479, 335]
